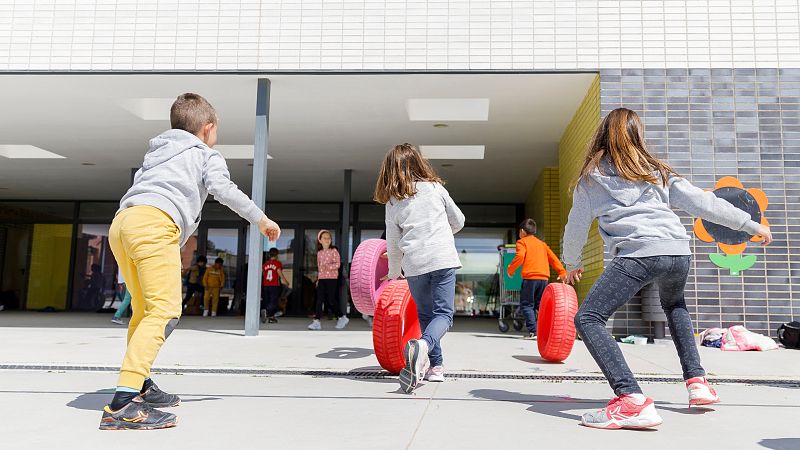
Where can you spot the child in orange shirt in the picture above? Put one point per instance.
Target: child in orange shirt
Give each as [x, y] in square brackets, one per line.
[536, 258]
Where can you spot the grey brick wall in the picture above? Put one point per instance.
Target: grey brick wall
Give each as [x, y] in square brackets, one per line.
[710, 123]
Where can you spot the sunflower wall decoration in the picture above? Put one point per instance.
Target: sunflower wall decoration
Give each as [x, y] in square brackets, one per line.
[733, 243]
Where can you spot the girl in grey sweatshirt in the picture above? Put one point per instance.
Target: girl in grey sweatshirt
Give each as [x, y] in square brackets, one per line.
[631, 194]
[421, 219]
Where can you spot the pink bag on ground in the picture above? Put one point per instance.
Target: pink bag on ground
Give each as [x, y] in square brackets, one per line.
[739, 338]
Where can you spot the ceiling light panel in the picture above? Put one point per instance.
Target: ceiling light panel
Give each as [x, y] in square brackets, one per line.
[452, 151]
[237, 151]
[150, 108]
[27, 152]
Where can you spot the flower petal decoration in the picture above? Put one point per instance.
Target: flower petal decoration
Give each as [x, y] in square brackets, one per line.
[735, 249]
[701, 232]
[728, 182]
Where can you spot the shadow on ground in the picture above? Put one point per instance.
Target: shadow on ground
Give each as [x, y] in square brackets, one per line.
[346, 353]
[781, 443]
[95, 401]
[536, 359]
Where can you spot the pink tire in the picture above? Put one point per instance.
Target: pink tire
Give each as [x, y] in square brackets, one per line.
[365, 275]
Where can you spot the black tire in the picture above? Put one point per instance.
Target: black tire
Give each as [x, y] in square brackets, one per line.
[518, 325]
[502, 325]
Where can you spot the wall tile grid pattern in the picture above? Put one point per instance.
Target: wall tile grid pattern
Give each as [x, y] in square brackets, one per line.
[269, 35]
[571, 153]
[709, 124]
[544, 206]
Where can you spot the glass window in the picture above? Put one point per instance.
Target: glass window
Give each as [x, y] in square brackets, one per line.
[15, 241]
[36, 211]
[95, 273]
[224, 243]
[489, 214]
[477, 249]
[316, 212]
[371, 212]
[97, 212]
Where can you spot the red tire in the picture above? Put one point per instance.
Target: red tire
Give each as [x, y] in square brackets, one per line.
[365, 274]
[395, 323]
[555, 329]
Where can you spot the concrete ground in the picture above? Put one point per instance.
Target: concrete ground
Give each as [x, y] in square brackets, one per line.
[278, 407]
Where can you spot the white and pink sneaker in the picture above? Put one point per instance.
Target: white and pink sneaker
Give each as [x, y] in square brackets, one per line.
[435, 374]
[700, 393]
[624, 412]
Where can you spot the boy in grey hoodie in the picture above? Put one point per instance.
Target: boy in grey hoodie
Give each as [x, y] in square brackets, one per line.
[156, 217]
[632, 193]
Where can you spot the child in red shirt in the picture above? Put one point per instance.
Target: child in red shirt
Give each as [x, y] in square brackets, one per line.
[272, 274]
[536, 258]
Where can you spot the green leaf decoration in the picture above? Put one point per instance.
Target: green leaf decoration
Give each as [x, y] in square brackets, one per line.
[734, 263]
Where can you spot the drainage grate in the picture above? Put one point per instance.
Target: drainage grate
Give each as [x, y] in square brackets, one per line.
[379, 374]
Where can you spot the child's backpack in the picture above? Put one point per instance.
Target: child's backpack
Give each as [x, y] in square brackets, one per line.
[789, 334]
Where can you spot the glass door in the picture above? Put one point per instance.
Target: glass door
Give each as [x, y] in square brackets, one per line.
[223, 243]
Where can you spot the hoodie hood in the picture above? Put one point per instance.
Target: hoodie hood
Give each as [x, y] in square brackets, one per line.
[168, 145]
[624, 191]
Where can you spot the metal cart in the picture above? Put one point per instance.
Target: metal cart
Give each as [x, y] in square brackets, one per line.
[508, 297]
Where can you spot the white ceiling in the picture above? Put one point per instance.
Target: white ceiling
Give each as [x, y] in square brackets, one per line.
[319, 126]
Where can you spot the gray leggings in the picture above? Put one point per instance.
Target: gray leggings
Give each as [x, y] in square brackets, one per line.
[621, 280]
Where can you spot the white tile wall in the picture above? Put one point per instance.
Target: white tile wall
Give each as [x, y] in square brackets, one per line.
[396, 34]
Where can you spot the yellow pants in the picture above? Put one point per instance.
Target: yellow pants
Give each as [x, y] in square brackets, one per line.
[212, 293]
[146, 245]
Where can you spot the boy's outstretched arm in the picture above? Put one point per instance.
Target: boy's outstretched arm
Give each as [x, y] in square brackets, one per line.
[218, 182]
[519, 258]
[576, 231]
[706, 205]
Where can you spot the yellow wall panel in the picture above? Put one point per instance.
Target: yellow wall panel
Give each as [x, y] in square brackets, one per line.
[49, 266]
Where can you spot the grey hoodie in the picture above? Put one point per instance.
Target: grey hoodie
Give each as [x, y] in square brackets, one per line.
[636, 218]
[178, 173]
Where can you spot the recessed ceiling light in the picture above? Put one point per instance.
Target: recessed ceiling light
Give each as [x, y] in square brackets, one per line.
[250, 165]
[452, 151]
[446, 165]
[440, 125]
[14, 151]
[237, 151]
[3, 188]
[448, 109]
[87, 164]
[292, 190]
[150, 108]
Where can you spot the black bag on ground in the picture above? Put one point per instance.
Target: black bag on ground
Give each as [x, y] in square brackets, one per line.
[789, 334]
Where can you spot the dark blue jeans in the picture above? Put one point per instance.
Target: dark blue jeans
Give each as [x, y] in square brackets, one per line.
[434, 294]
[529, 298]
[621, 280]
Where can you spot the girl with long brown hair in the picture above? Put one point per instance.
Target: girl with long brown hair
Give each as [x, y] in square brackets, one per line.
[632, 193]
[421, 219]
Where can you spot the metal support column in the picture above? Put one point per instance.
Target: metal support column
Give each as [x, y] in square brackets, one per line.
[345, 255]
[255, 243]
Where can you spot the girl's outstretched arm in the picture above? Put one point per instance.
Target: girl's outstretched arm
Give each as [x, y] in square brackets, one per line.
[577, 229]
[706, 205]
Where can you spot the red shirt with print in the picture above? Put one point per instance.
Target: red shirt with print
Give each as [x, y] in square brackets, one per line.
[269, 273]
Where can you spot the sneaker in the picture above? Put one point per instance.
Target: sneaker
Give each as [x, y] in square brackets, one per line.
[279, 313]
[368, 319]
[622, 412]
[117, 321]
[272, 320]
[136, 415]
[529, 337]
[435, 374]
[700, 393]
[157, 398]
[214, 314]
[416, 356]
[315, 325]
[342, 322]
[263, 316]
[205, 313]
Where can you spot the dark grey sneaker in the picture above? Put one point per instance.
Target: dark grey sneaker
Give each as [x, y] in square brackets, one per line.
[137, 415]
[157, 398]
[416, 356]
